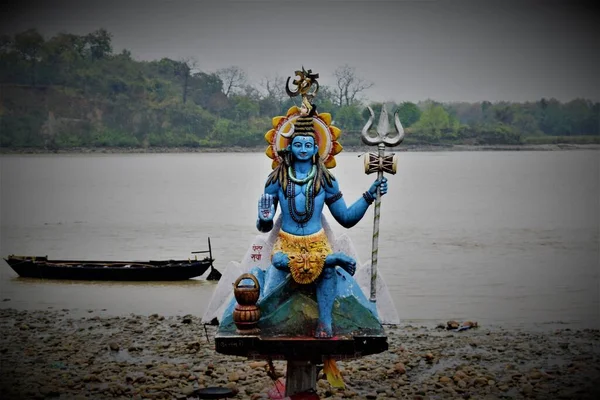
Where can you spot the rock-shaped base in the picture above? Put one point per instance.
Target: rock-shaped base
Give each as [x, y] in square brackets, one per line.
[291, 310]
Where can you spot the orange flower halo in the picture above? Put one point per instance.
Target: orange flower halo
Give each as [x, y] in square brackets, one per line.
[326, 137]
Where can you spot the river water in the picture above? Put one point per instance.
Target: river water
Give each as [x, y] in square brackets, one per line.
[505, 238]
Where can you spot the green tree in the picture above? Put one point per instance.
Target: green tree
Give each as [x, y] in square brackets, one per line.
[92, 97]
[435, 123]
[376, 107]
[583, 117]
[466, 113]
[553, 120]
[325, 101]
[244, 108]
[29, 44]
[62, 55]
[526, 124]
[100, 44]
[349, 118]
[204, 87]
[408, 113]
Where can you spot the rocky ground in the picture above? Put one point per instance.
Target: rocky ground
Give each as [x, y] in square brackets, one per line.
[49, 354]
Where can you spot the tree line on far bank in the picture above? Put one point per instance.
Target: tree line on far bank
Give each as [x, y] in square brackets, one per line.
[74, 91]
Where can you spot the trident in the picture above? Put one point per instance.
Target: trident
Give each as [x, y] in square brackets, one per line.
[380, 163]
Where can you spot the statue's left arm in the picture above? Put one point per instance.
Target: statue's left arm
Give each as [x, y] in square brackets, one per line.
[349, 216]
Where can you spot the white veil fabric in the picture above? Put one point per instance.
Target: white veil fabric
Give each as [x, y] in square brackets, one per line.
[259, 255]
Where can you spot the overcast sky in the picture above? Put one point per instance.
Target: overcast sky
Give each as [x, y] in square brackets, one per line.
[446, 50]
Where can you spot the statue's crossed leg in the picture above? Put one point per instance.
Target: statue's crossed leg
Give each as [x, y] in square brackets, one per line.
[326, 285]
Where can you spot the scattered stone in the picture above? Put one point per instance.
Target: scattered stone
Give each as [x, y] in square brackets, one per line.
[481, 381]
[257, 364]
[535, 375]
[188, 390]
[527, 389]
[51, 354]
[470, 324]
[460, 375]
[400, 368]
[452, 325]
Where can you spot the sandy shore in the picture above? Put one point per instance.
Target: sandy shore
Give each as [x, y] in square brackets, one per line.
[49, 354]
[261, 149]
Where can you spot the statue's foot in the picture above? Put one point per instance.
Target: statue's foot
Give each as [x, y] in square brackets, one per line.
[323, 331]
[342, 260]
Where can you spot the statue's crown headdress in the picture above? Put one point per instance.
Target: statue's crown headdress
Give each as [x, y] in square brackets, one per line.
[303, 122]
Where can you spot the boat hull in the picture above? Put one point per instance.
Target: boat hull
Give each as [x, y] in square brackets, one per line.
[171, 270]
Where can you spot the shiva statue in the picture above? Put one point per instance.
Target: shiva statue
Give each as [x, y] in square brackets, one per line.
[303, 186]
[300, 290]
[311, 282]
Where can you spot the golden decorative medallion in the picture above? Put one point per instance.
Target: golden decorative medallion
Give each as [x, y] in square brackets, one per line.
[307, 254]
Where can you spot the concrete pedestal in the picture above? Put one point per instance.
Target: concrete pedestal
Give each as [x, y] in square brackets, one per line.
[299, 348]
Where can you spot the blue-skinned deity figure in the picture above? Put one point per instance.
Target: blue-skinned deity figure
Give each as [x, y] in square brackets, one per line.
[307, 277]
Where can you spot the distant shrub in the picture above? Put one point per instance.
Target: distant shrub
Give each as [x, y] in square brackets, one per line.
[114, 138]
[20, 131]
[562, 140]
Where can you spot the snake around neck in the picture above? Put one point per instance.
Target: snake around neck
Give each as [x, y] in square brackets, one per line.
[301, 217]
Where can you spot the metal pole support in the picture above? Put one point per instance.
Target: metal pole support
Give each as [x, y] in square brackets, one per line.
[301, 376]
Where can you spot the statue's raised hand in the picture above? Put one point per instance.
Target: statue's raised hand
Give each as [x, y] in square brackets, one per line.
[266, 208]
[382, 184]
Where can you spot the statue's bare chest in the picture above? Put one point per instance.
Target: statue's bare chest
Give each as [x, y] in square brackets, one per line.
[302, 195]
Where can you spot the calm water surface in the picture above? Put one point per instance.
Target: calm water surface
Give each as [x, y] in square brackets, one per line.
[508, 238]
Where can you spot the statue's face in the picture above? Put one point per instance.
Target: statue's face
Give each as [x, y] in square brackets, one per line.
[303, 147]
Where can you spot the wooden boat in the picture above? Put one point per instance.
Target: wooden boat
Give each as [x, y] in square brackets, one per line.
[166, 270]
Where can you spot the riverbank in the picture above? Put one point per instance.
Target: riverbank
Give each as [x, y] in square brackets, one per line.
[358, 149]
[52, 354]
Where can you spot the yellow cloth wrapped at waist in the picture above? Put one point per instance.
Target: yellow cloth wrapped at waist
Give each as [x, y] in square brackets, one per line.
[306, 253]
